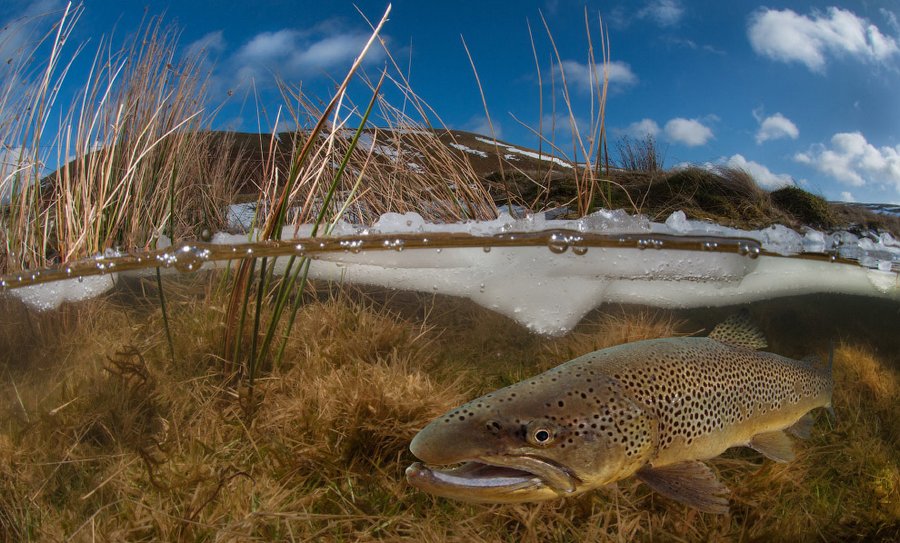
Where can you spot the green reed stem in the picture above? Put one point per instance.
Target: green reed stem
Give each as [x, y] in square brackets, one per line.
[246, 301]
[165, 316]
[254, 361]
[288, 286]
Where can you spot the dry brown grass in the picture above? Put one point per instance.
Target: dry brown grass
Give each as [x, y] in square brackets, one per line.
[103, 437]
[135, 160]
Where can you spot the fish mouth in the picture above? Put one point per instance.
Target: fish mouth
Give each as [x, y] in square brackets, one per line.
[495, 479]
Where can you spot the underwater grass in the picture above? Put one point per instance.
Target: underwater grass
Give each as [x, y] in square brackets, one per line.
[102, 436]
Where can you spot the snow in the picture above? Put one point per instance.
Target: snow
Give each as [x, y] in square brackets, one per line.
[531, 154]
[240, 216]
[469, 150]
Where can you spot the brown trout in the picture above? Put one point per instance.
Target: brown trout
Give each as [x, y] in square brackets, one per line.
[653, 409]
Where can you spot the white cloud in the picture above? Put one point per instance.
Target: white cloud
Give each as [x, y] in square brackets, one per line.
[854, 161]
[763, 176]
[212, 43]
[891, 20]
[776, 127]
[663, 12]
[26, 23]
[790, 37]
[641, 129]
[579, 75]
[479, 124]
[847, 196]
[290, 53]
[21, 33]
[690, 132]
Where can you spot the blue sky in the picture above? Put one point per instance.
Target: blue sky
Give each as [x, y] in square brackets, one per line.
[794, 92]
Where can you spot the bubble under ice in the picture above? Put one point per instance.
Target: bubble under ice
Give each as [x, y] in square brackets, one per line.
[550, 291]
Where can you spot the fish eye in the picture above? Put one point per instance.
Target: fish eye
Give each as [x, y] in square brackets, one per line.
[541, 436]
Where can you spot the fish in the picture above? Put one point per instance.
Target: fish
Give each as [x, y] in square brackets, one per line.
[655, 409]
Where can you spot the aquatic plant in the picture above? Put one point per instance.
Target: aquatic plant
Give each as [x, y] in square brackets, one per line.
[102, 435]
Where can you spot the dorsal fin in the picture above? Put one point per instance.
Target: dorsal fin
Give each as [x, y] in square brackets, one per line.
[738, 330]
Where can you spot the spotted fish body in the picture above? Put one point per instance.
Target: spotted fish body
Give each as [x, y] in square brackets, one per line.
[654, 409]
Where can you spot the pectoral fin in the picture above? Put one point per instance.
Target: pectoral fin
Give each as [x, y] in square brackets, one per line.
[803, 427]
[691, 483]
[775, 445]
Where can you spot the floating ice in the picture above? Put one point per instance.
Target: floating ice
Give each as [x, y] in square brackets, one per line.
[52, 295]
[678, 222]
[549, 288]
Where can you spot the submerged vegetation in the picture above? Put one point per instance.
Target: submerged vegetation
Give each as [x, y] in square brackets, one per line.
[104, 437]
[127, 419]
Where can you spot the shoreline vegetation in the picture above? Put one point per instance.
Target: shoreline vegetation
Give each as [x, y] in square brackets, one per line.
[240, 406]
[139, 158]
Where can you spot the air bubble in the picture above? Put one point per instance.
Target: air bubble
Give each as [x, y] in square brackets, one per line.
[557, 244]
[748, 250]
[353, 246]
[579, 250]
[166, 259]
[560, 243]
[486, 248]
[190, 258]
[395, 244]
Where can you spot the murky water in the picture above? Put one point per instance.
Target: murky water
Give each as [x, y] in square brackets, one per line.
[110, 426]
